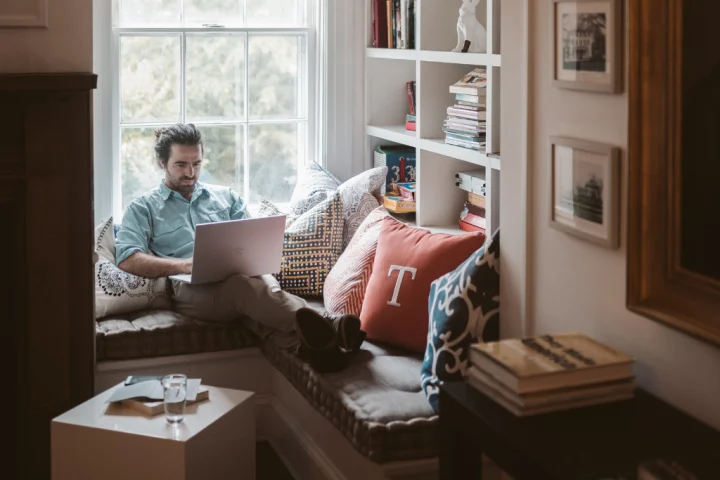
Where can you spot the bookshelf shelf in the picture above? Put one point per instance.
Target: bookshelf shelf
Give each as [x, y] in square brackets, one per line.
[465, 154]
[434, 67]
[393, 133]
[477, 59]
[392, 53]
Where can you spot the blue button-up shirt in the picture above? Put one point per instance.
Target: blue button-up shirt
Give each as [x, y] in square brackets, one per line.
[162, 222]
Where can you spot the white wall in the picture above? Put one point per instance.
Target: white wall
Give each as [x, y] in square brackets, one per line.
[573, 285]
[64, 46]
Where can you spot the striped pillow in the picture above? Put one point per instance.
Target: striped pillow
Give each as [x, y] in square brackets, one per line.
[345, 285]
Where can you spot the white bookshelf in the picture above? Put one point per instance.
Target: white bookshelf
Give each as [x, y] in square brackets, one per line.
[434, 67]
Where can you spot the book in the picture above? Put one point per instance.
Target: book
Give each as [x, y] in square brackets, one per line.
[473, 215]
[156, 407]
[410, 123]
[467, 227]
[400, 161]
[477, 200]
[546, 408]
[398, 204]
[538, 399]
[467, 112]
[548, 362]
[473, 83]
[379, 23]
[472, 100]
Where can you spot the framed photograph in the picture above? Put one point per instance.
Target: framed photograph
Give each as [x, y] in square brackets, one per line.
[585, 190]
[587, 45]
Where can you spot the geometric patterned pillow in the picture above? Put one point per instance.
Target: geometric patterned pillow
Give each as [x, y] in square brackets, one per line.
[312, 245]
[346, 284]
[464, 308]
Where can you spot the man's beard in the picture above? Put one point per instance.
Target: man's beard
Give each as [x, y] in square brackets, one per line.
[184, 187]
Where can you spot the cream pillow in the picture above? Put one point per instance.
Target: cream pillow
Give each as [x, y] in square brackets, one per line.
[117, 291]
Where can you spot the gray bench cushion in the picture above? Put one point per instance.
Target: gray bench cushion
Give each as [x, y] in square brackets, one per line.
[377, 402]
[156, 333]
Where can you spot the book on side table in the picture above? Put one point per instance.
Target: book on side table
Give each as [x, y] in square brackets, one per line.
[547, 373]
[145, 394]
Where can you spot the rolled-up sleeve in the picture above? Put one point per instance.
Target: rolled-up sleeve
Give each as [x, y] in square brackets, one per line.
[238, 210]
[134, 235]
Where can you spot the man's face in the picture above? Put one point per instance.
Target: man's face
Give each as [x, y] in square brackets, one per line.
[183, 167]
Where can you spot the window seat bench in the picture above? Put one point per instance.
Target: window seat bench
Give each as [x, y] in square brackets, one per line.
[376, 404]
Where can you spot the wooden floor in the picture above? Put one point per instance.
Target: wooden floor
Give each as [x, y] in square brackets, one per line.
[268, 464]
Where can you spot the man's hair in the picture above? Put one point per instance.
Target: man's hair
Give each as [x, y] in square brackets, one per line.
[178, 134]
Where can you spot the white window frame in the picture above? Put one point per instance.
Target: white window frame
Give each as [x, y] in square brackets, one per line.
[106, 56]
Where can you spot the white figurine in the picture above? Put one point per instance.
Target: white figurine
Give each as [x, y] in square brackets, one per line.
[470, 30]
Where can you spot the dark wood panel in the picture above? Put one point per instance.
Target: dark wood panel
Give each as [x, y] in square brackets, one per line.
[13, 291]
[47, 82]
[46, 202]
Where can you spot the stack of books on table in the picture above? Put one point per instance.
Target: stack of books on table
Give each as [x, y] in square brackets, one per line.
[547, 373]
[465, 125]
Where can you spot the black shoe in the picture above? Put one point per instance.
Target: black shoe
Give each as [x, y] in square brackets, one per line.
[315, 331]
[347, 331]
[321, 332]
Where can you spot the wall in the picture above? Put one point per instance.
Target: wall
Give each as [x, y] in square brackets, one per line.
[568, 284]
[64, 46]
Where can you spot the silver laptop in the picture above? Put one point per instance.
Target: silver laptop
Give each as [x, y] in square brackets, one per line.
[252, 247]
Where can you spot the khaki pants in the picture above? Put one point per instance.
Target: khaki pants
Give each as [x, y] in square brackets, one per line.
[271, 310]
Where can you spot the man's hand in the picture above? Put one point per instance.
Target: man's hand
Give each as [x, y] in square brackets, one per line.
[187, 265]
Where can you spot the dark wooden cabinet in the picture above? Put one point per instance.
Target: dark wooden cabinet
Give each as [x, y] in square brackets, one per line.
[46, 240]
[602, 442]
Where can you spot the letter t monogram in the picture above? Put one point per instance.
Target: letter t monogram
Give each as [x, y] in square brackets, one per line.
[399, 280]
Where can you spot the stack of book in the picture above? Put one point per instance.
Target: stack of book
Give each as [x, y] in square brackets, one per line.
[546, 373]
[410, 119]
[401, 198]
[465, 125]
[472, 216]
[393, 23]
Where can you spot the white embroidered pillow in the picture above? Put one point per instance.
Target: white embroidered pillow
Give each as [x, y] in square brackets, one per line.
[117, 291]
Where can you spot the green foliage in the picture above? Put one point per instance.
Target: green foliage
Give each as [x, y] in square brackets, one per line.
[216, 83]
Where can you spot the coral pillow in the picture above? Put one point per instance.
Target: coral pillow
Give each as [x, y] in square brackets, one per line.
[346, 284]
[407, 261]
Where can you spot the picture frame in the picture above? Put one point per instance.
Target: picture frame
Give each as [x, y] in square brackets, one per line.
[587, 45]
[585, 190]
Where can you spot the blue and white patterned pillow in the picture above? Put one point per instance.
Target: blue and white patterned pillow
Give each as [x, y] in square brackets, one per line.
[464, 307]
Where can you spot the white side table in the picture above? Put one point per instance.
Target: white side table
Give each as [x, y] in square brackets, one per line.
[97, 440]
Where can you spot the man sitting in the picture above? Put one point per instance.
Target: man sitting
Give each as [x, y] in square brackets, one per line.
[157, 239]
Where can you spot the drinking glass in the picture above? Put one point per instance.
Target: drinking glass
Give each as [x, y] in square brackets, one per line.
[174, 396]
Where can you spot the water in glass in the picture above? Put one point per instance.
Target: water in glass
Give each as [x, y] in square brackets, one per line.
[175, 389]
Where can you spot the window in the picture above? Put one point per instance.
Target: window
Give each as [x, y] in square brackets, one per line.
[243, 71]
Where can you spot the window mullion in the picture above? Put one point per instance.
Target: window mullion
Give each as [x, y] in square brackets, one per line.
[183, 76]
[246, 145]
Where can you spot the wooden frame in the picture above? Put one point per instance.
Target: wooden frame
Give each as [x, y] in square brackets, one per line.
[35, 17]
[657, 286]
[614, 82]
[610, 172]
